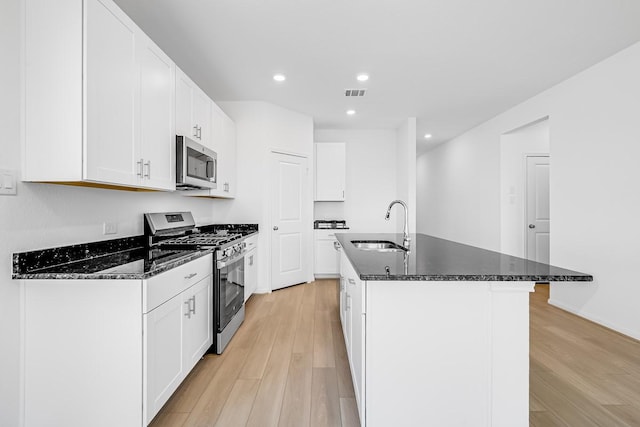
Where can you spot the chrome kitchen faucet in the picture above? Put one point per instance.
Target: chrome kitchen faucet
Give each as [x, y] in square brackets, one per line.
[406, 240]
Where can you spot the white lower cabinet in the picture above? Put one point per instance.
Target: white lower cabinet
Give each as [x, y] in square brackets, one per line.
[326, 262]
[111, 352]
[353, 314]
[163, 354]
[251, 267]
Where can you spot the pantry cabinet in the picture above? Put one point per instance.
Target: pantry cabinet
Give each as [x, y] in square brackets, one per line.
[99, 98]
[330, 171]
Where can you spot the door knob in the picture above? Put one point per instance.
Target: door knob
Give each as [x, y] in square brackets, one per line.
[275, 227]
[532, 226]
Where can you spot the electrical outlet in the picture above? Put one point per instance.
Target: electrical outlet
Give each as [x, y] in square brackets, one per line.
[110, 228]
[8, 180]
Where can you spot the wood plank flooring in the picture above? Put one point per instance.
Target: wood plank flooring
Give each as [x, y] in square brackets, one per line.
[581, 374]
[287, 366]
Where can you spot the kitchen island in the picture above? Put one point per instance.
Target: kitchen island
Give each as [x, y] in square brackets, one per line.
[439, 335]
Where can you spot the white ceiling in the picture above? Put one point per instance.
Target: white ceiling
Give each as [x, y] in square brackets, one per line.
[451, 63]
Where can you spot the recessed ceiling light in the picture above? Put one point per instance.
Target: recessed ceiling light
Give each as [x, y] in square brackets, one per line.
[427, 136]
[279, 77]
[351, 112]
[362, 77]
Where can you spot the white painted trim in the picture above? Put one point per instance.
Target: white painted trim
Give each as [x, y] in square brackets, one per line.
[588, 316]
[288, 153]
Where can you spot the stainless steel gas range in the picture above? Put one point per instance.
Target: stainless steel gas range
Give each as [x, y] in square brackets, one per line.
[177, 230]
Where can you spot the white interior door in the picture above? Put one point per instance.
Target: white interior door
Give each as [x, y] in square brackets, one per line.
[537, 209]
[289, 238]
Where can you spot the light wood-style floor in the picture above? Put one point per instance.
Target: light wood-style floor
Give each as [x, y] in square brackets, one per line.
[287, 366]
[581, 374]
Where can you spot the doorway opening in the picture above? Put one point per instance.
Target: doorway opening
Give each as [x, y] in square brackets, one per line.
[516, 147]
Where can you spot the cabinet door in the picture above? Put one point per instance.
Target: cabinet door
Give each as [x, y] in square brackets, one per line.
[163, 352]
[326, 262]
[357, 340]
[202, 105]
[111, 91]
[198, 322]
[156, 121]
[250, 273]
[330, 171]
[183, 110]
[224, 143]
[230, 153]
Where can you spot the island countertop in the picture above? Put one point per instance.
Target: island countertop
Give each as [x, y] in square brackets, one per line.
[434, 259]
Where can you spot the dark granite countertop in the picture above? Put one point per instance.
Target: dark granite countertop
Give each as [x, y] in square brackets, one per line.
[124, 258]
[436, 259]
[111, 259]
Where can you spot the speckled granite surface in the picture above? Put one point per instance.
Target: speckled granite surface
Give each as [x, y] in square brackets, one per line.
[434, 259]
[244, 229]
[111, 259]
[125, 258]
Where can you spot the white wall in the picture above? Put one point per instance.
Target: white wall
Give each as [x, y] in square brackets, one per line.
[406, 173]
[262, 128]
[9, 158]
[371, 179]
[514, 147]
[595, 205]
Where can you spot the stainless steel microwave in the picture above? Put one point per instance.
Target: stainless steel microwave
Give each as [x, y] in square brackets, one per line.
[196, 165]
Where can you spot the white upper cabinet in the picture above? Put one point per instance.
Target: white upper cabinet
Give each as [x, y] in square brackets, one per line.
[193, 110]
[224, 143]
[110, 95]
[99, 98]
[330, 159]
[156, 120]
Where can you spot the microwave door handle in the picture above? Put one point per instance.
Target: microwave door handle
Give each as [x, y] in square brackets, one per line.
[211, 170]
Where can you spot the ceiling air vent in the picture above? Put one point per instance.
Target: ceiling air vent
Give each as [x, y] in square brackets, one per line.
[354, 92]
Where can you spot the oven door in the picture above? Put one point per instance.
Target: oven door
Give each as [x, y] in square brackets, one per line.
[229, 289]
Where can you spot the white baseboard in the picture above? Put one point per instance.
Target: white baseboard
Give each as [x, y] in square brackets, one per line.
[596, 319]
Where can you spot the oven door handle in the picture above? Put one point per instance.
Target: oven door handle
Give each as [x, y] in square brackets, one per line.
[230, 260]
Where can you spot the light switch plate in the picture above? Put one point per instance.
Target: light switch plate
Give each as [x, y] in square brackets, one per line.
[8, 182]
[110, 228]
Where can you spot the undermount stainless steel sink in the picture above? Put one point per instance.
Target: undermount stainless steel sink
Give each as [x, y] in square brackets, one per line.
[378, 245]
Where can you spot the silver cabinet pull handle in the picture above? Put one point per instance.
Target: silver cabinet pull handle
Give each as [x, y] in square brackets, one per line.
[188, 313]
[189, 276]
[275, 228]
[140, 167]
[148, 165]
[353, 282]
[195, 131]
[532, 226]
[193, 310]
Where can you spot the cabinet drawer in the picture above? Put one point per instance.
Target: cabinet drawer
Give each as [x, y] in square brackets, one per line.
[165, 286]
[251, 242]
[329, 234]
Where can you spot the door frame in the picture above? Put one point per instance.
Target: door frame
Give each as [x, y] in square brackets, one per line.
[307, 215]
[525, 199]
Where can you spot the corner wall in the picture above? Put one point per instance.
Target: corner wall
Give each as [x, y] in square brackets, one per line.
[595, 205]
[263, 127]
[371, 179]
